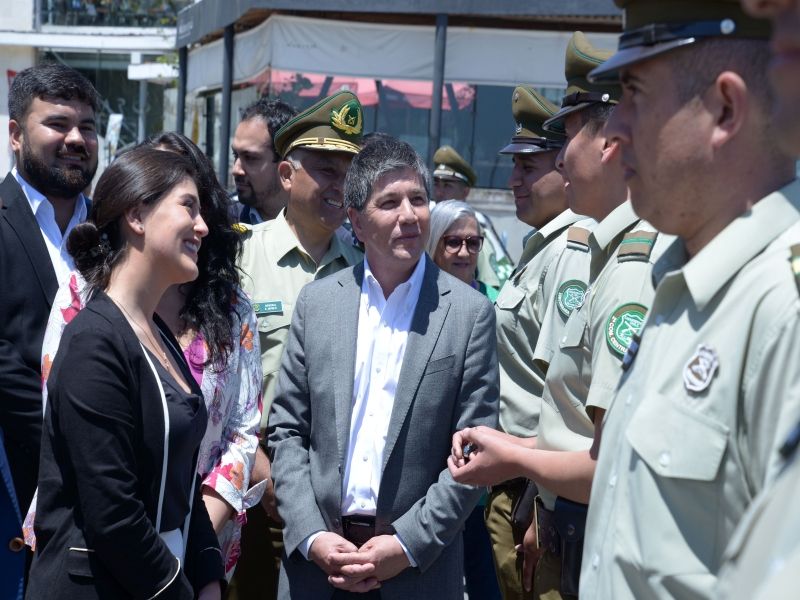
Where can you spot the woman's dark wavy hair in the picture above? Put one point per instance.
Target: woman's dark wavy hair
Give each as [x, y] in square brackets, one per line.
[140, 177]
[209, 298]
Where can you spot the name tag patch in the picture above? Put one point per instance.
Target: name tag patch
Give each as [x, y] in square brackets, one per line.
[270, 307]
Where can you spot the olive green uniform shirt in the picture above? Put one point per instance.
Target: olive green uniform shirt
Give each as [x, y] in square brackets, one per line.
[275, 267]
[587, 366]
[521, 309]
[763, 558]
[693, 429]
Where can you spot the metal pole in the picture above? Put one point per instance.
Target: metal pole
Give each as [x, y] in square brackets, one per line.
[225, 116]
[140, 133]
[435, 124]
[183, 65]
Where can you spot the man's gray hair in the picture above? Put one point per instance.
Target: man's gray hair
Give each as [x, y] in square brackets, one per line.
[443, 215]
[380, 155]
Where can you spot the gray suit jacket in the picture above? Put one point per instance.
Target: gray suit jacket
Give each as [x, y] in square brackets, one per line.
[448, 381]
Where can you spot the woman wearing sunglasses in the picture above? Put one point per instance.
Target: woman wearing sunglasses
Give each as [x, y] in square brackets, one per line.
[455, 241]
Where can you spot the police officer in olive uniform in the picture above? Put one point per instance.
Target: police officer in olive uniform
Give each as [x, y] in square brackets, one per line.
[522, 312]
[601, 322]
[452, 179]
[281, 256]
[763, 557]
[709, 390]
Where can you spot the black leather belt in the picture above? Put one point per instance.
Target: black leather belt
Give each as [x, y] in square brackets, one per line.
[358, 529]
[511, 486]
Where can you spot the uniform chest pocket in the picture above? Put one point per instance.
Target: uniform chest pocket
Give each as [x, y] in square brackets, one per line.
[573, 331]
[677, 442]
[510, 297]
[270, 323]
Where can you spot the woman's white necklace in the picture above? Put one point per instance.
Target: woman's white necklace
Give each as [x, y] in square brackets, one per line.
[157, 350]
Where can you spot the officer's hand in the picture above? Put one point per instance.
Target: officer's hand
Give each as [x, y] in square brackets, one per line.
[531, 554]
[326, 547]
[465, 436]
[492, 459]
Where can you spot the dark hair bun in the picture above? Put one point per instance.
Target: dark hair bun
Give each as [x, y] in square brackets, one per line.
[87, 248]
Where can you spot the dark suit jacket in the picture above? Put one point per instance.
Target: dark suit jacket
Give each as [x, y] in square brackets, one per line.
[448, 381]
[28, 283]
[12, 558]
[100, 474]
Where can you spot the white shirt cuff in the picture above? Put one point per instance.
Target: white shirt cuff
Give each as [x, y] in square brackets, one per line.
[305, 545]
[410, 558]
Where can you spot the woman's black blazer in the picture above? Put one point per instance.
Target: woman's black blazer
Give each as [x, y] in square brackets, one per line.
[100, 474]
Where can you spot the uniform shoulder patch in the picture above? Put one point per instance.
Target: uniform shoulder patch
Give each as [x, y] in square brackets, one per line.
[794, 261]
[636, 245]
[241, 228]
[624, 323]
[570, 296]
[578, 238]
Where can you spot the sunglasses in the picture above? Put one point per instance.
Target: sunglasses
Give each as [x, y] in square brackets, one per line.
[453, 243]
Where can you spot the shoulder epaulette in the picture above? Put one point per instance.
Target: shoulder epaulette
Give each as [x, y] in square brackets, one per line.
[636, 245]
[578, 238]
[794, 261]
[241, 228]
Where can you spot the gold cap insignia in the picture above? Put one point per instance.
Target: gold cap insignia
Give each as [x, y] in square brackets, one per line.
[348, 118]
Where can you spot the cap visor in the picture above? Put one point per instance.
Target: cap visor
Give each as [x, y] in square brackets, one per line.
[555, 123]
[524, 148]
[609, 70]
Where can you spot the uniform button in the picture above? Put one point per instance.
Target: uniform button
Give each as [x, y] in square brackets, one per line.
[595, 560]
[16, 544]
[663, 459]
[564, 340]
[628, 400]
[365, 458]
[612, 480]
[377, 369]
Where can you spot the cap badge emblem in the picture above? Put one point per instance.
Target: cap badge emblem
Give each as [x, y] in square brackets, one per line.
[519, 128]
[700, 369]
[605, 98]
[623, 324]
[348, 118]
[571, 295]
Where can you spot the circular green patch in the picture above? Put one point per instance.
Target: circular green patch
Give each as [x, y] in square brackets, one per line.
[570, 296]
[623, 324]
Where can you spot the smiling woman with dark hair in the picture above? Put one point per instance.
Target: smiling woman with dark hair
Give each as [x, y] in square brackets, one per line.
[215, 325]
[118, 513]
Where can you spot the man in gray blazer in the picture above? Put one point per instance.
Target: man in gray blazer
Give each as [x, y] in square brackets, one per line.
[384, 362]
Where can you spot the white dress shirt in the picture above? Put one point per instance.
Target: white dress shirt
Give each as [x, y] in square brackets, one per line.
[383, 326]
[54, 240]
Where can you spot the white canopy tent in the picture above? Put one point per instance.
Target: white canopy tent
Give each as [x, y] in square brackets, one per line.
[386, 50]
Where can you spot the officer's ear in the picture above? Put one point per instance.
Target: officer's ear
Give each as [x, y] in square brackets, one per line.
[611, 150]
[728, 102]
[286, 173]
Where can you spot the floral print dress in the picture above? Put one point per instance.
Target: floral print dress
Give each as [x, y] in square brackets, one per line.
[233, 399]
